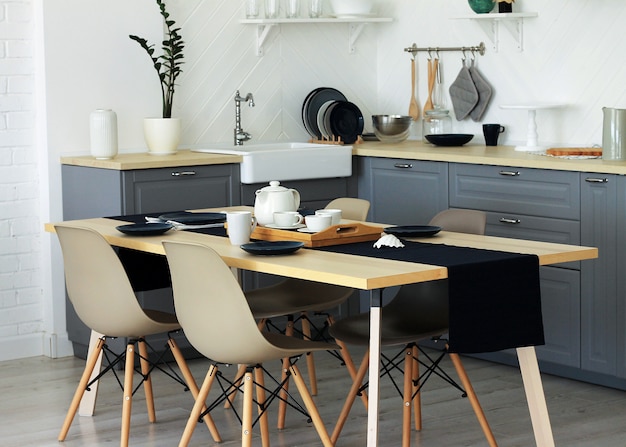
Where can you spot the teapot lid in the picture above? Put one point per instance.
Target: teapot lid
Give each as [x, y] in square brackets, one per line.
[273, 186]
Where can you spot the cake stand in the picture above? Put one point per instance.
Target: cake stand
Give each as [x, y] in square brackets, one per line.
[532, 136]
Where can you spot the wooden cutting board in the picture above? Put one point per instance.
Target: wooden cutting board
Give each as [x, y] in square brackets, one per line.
[570, 151]
[348, 233]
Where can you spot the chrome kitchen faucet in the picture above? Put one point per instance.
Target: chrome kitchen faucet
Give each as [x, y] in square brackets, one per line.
[240, 135]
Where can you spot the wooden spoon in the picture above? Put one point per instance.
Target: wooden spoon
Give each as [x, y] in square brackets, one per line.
[432, 71]
[414, 108]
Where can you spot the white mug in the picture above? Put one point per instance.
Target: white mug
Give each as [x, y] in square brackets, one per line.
[241, 224]
[336, 214]
[287, 218]
[318, 222]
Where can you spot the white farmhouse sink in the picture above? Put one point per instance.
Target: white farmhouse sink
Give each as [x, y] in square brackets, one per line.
[263, 162]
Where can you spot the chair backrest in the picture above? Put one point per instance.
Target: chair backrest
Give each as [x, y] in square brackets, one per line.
[461, 221]
[211, 307]
[98, 286]
[351, 208]
[427, 302]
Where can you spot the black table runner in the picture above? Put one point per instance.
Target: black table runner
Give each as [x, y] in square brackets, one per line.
[495, 298]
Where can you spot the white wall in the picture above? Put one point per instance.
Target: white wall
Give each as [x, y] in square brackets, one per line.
[573, 54]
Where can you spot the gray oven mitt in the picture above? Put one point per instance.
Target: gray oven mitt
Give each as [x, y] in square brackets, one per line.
[484, 93]
[463, 94]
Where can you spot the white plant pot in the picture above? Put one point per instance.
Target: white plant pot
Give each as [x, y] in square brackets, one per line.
[162, 135]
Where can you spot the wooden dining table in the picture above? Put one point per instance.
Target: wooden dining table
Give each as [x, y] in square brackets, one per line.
[373, 275]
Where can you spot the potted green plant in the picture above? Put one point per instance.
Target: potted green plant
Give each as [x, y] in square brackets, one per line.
[163, 134]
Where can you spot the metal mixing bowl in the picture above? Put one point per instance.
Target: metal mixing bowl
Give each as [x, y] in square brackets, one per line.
[391, 128]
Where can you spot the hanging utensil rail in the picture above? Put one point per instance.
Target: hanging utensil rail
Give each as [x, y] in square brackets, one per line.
[414, 49]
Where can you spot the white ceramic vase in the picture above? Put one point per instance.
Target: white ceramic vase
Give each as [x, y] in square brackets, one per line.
[103, 133]
[162, 135]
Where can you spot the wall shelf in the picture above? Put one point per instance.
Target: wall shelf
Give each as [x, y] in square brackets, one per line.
[490, 23]
[356, 25]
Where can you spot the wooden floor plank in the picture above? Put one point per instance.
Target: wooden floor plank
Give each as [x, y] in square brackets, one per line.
[36, 393]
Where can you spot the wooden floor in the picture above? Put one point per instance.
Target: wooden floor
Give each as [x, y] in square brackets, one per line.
[35, 394]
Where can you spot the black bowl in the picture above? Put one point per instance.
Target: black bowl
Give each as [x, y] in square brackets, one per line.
[449, 139]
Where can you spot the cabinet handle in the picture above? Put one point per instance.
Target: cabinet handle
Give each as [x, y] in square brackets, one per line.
[178, 174]
[510, 221]
[403, 165]
[596, 180]
[510, 173]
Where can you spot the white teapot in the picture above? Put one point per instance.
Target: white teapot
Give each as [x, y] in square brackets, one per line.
[274, 198]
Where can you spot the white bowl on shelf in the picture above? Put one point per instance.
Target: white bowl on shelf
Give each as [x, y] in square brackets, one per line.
[352, 8]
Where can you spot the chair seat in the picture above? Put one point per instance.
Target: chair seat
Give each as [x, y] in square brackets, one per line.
[395, 329]
[293, 296]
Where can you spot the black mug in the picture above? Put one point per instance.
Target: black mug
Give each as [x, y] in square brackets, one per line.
[491, 133]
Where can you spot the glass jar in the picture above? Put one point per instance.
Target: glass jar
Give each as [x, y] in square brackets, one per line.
[436, 122]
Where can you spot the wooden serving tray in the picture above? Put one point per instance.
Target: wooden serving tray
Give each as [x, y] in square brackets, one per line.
[348, 233]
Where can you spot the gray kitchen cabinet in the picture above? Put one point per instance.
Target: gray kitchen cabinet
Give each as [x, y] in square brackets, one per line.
[97, 192]
[538, 205]
[599, 297]
[403, 192]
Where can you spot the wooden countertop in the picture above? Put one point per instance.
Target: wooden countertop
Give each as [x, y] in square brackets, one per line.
[486, 155]
[143, 160]
[410, 149]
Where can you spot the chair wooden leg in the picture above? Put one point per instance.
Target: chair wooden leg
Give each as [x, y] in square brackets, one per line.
[241, 370]
[80, 389]
[282, 402]
[356, 384]
[147, 384]
[127, 403]
[193, 386]
[246, 422]
[310, 406]
[260, 397]
[310, 360]
[456, 360]
[198, 406]
[407, 398]
[347, 359]
[417, 399]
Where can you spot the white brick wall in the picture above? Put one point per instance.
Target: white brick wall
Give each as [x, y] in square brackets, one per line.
[21, 308]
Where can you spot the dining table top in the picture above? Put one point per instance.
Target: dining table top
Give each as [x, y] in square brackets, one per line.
[358, 272]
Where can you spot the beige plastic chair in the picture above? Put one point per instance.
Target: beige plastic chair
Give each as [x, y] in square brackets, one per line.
[208, 299]
[351, 208]
[298, 297]
[100, 291]
[418, 312]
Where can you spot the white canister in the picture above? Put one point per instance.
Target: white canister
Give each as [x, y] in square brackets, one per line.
[103, 133]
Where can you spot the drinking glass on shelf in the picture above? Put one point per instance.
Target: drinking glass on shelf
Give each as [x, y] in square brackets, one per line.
[252, 9]
[293, 9]
[271, 9]
[315, 8]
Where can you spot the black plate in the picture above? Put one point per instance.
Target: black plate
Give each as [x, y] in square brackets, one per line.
[272, 248]
[450, 139]
[144, 229]
[315, 102]
[185, 217]
[413, 230]
[346, 121]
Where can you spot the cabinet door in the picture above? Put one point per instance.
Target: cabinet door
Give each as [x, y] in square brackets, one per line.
[560, 304]
[172, 189]
[403, 192]
[620, 269]
[598, 276]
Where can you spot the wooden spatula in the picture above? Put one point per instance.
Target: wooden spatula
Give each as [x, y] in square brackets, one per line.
[414, 108]
[432, 71]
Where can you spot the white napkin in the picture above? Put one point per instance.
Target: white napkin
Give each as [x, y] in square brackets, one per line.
[388, 240]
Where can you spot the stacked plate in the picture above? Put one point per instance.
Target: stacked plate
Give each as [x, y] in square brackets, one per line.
[327, 114]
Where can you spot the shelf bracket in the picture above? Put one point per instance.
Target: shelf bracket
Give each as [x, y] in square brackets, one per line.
[355, 31]
[514, 25]
[262, 32]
